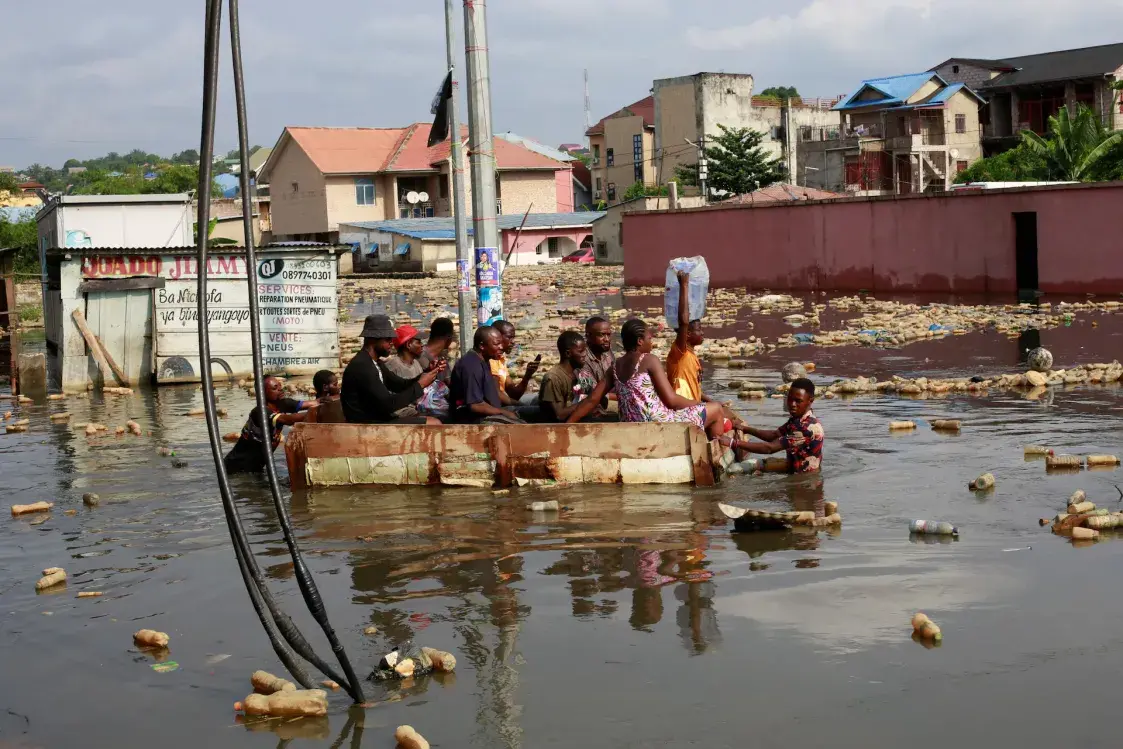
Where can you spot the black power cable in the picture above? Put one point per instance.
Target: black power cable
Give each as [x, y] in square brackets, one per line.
[304, 578]
[251, 572]
[253, 586]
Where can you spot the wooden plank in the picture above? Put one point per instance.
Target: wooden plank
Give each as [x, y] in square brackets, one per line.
[99, 353]
[139, 362]
[120, 284]
[700, 455]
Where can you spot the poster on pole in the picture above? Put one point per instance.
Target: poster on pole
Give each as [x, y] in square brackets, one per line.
[487, 267]
[463, 276]
[491, 305]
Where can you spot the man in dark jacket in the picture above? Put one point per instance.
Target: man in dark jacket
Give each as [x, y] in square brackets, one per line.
[372, 394]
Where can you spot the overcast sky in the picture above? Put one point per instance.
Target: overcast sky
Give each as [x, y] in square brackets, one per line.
[83, 78]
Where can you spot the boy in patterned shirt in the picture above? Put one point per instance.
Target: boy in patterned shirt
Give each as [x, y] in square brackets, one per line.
[801, 436]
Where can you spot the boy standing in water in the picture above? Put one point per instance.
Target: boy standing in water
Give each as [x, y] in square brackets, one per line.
[247, 455]
[801, 436]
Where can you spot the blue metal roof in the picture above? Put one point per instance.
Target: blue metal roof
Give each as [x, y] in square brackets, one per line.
[444, 228]
[895, 90]
[941, 97]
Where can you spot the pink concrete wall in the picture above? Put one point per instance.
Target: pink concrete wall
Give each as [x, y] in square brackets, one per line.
[950, 243]
[563, 182]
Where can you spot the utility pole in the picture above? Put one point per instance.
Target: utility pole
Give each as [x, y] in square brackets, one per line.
[703, 168]
[482, 150]
[460, 220]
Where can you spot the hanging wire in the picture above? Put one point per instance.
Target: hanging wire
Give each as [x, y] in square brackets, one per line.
[247, 562]
[304, 578]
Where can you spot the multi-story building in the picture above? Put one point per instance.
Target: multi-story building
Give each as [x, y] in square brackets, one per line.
[689, 109]
[321, 177]
[623, 147]
[1022, 93]
[648, 140]
[897, 135]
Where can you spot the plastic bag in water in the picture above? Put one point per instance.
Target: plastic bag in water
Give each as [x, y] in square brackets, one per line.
[697, 289]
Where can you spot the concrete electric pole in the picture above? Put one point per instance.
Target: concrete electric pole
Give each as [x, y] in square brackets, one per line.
[481, 148]
[456, 166]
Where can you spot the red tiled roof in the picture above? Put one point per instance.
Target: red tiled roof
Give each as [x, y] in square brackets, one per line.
[371, 150]
[644, 108]
[783, 193]
[348, 150]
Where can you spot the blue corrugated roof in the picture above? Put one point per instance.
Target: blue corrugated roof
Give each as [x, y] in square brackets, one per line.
[942, 97]
[896, 90]
[444, 228]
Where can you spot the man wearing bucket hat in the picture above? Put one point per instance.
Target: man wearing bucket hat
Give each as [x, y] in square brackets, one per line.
[372, 393]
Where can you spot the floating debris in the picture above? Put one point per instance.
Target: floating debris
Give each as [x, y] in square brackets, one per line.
[33, 507]
[408, 738]
[150, 638]
[982, 483]
[926, 628]
[932, 527]
[301, 703]
[266, 683]
[52, 576]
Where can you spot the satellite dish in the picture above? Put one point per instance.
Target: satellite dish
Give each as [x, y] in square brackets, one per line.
[412, 197]
[954, 153]
[423, 197]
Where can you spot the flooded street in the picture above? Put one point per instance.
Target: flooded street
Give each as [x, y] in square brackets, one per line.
[633, 618]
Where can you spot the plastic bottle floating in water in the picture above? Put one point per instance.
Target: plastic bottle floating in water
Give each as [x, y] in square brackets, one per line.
[933, 527]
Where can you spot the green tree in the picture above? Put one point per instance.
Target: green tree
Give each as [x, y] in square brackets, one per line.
[780, 92]
[1019, 164]
[640, 190]
[737, 163]
[190, 157]
[23, 235]
[1078, 147]
[8, 182]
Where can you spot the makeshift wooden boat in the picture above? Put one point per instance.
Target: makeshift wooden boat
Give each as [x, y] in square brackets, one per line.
[499, 455]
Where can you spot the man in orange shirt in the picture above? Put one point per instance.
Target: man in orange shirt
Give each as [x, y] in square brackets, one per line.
[684, 369]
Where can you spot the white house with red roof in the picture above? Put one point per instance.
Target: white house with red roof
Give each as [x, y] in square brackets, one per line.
[321, 177]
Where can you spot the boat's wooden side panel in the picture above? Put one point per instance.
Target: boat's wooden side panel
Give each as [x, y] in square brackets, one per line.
[517, 449]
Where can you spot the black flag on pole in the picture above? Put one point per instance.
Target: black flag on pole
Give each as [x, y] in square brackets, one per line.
[439, 133]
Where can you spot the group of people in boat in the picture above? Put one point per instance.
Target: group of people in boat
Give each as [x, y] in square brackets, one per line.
[396, 378]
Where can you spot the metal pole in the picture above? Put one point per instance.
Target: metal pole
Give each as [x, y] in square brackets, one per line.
[703, 167]
[456, 166]
[488, 281]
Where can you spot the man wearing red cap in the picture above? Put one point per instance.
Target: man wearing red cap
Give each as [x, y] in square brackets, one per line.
[410, 364]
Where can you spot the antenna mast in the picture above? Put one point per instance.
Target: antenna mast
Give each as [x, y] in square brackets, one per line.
[588, 107]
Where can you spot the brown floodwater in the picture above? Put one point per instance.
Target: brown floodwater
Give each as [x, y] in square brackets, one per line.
[633, 618]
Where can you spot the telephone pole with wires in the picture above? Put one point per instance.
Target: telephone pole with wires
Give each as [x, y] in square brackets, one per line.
[460, 220]
[481, 148]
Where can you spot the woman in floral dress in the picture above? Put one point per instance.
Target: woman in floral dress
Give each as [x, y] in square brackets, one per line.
[644, 392]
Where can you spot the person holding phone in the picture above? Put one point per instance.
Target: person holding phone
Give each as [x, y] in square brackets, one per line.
[510, 392]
